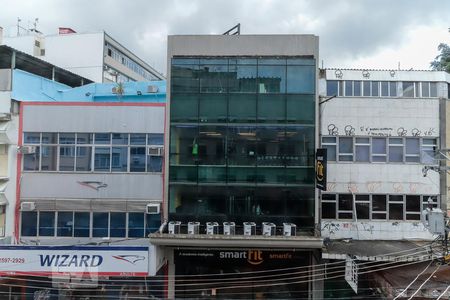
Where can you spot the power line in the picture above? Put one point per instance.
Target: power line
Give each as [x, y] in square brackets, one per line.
[426, 280]
[414, 280]
[443, 293]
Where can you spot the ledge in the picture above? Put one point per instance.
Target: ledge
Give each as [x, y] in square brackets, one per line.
[204, 240]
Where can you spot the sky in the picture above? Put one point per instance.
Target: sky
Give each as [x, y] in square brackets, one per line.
[380, 34]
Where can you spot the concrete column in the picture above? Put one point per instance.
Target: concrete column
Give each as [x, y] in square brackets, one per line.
[317, 276]
[171, 273]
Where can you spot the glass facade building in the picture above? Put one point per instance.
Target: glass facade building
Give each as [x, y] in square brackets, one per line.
[242, 139]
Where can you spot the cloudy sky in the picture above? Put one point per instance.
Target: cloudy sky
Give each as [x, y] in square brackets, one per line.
[353, 33]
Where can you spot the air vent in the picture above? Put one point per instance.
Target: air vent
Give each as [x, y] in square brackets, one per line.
[152, 208]
[155, 151]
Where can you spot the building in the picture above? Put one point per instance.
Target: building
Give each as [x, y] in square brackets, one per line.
[384, 131]
[20, 72]
[82, 176]
[242, 119]
[94, 55]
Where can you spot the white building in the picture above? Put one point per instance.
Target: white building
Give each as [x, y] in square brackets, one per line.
[381, 128]
[96, 56]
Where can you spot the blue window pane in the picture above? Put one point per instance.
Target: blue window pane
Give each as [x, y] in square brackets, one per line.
[29, 223]
[135, 225]
[154, 163]
[102, 159]
[137, 159]
[49, 138]
[102, 138]
[81, 226]
[46, 223]
[120, 138]
[301, 79]
[118, 222]
[137, 139]
[119, 160]
[67, 138]
[332, 87]
[155, 139]
[152, 223]
[271, 79]
[65, 224]
[100, 224]
[84, 138]
[31, 138]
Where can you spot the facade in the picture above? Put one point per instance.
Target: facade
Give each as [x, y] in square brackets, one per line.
[385, 135]
[96, 56]
[242, 119]
[382, 132]
[82, 179]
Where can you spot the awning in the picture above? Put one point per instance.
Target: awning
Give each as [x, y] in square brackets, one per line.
[3, 199]
[3, 134]
[377, 250]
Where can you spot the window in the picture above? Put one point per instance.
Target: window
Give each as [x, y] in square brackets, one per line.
[375, 88]
[395, 150]
[381, 149]
[65, 224]
[345, 149]
[76, 152]
[47, 223]
[408, 89]
[329, 143]
[135, 225]
[362, 149]
[100, 224]
[78, 224]
[332, 87]
[2, 219]
[29, 223]
[375, 207]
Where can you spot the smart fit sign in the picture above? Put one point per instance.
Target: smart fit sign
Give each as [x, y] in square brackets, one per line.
[69, 260]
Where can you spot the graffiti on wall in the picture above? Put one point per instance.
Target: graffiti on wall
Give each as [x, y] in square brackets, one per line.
[350, 130]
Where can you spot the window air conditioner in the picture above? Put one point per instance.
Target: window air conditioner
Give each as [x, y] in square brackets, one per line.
[152, 89]
[27, 206]
[249, 228]
[155, 151]
[193, 227]
[27, 149]
[174, 227]
[269, 229]
[212, 228]
[152, 208]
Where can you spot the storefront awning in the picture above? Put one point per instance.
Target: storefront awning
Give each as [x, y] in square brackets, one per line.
[3, 135]
[377, 250]
[203, 240]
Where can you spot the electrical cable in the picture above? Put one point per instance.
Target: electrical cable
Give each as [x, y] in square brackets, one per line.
[426, 280]
[414, 280]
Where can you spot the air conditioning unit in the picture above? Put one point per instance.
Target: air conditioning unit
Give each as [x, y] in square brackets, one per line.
[269, 229]
[155, 151]
[229, 228]
[212, 228]
[193, 227]
[27, 149]
[249, 228]
[174, 227]
[152, 208]
[152, 89]
[289, 229]
[27, 206]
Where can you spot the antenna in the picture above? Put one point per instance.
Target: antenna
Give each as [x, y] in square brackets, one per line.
[18, 25]
[237, 31]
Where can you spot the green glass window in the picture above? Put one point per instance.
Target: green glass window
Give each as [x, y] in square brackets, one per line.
[211, 145]
[185, 79]
[212, 174]
[213, 108]
[184, 108]
[301, 79]
[184, 142]
[241, 145]
[183, 174]
[243, 78]
[300, 109]
[242, 108]
[271, 79]
[213, 78]
[271, 108]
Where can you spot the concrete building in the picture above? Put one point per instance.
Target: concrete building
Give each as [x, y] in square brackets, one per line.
[96, 55]
[384, 131]
[243, 124]
[82, 176]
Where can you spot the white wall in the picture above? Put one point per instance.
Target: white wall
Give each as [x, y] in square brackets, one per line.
[81, 54]
[21, 43]
[380, 116]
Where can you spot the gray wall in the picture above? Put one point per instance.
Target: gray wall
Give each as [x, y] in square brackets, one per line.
[126, 119]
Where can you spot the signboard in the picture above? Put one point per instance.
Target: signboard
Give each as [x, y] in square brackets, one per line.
[74, 260]
[240, 256]
[321, 169]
